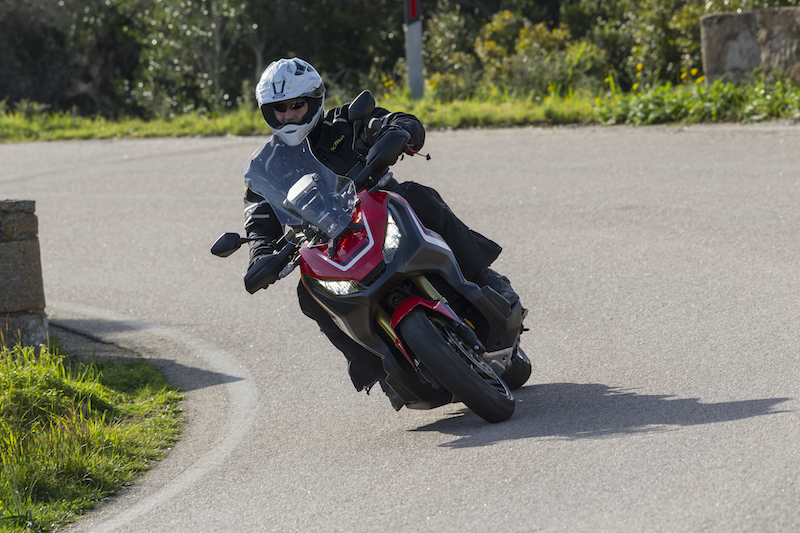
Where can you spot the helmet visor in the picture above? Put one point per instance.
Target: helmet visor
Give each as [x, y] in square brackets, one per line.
[268, 110]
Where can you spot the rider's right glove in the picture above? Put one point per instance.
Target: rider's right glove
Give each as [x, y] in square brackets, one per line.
[263, 273]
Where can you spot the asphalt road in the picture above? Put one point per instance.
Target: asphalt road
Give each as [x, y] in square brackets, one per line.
[661, 269]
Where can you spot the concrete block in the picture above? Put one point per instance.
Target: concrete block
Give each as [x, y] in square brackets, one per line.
[29, 329]
[22, 303]
[21, 286]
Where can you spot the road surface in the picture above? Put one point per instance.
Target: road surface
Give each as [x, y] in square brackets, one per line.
[661, 267]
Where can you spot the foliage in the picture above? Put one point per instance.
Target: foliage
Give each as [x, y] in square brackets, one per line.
[665, 103]
[698, 102]
[163, 58]
[68, 53]
[512, 55]
[71, 434]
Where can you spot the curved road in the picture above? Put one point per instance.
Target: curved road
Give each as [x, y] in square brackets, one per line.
[662, 269]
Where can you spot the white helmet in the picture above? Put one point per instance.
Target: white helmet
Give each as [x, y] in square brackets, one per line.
[287, 79]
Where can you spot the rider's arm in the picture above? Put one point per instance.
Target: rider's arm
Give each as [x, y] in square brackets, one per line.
[409, 123]
[260, 221]
[382, 121]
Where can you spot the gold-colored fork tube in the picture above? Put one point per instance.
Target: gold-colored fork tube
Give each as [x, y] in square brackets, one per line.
[386, 323]
[427, 288]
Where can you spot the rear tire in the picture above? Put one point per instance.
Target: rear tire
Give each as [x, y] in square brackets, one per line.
[464, 374]
[519, 371]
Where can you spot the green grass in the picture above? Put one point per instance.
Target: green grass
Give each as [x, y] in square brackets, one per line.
[698, 102]
[689, 103]
[53, 127]
[497, 112]
[73, 433]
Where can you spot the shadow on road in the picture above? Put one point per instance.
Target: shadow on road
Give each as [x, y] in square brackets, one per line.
[77, 343]
[589, 411]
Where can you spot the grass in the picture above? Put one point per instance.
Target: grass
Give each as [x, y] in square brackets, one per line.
[73, 433]
[497, 112]
[53, 127]
[697, 102]
[690, 103]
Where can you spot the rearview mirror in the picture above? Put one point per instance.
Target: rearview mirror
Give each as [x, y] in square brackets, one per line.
[227, 244]
[362, 107]
[360, 110]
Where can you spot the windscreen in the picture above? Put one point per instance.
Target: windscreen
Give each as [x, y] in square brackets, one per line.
[297, 185]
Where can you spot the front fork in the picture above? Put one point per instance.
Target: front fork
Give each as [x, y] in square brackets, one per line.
[435, 302]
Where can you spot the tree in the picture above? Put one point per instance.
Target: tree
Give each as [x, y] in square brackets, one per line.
[70, 54]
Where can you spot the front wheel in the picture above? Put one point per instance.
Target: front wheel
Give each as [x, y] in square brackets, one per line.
[465, 374]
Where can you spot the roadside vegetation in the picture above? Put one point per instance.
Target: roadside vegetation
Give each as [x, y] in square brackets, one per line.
[73, 433]
[79, 69]
[690, 103]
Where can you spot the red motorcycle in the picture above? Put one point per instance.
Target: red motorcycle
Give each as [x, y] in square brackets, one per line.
[388, 282]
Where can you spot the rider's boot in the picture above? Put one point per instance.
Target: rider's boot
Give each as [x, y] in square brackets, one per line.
[488, 277]
[395, 399]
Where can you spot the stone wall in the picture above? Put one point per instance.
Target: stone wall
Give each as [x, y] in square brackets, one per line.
[736, 44]
[22, 316]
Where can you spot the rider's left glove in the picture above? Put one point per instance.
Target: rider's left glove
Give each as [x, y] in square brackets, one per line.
[390, 127]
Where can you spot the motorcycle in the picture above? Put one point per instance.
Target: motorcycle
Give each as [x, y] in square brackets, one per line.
[388, 282]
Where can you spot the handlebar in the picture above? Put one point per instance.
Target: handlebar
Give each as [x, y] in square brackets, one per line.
[381, 156]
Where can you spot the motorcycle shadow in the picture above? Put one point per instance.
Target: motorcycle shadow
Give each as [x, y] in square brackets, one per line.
[572, 411]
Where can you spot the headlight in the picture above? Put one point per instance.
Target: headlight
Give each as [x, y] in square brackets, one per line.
[340, 288]
[392, 240]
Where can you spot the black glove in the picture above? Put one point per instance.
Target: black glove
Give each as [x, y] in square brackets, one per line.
[262, 273]
[386, 129]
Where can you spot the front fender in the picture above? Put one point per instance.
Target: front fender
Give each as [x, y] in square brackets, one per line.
[405, 308]
[409, 304]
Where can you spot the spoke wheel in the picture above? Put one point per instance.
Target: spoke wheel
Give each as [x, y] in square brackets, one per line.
[455, 365]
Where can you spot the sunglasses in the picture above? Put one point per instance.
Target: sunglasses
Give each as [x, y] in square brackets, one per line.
[294, 105]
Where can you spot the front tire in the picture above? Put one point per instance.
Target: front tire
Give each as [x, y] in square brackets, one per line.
[465, 374]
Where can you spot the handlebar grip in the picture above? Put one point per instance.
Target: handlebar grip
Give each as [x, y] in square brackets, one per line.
[383, 154]
[265, 271]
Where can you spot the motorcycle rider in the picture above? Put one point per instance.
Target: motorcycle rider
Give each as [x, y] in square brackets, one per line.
[291, 95]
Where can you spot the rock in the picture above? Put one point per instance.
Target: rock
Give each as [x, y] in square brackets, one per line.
[735, 45]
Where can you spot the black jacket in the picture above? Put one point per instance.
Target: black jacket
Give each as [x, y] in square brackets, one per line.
[331, 142]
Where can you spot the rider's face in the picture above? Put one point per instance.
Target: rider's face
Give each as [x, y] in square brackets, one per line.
[292, 111]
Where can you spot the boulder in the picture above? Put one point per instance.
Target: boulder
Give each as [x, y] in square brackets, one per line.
[737, 45]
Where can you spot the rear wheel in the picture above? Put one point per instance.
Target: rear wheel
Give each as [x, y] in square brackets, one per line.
[519, 371]
[462, 372]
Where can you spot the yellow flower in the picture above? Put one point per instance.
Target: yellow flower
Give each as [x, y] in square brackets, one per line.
[635, 86]
[608, 79]
[638, 74]
[597, 100]
[693, 72]
[700, 79]
[683, 76]
[639, 66]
